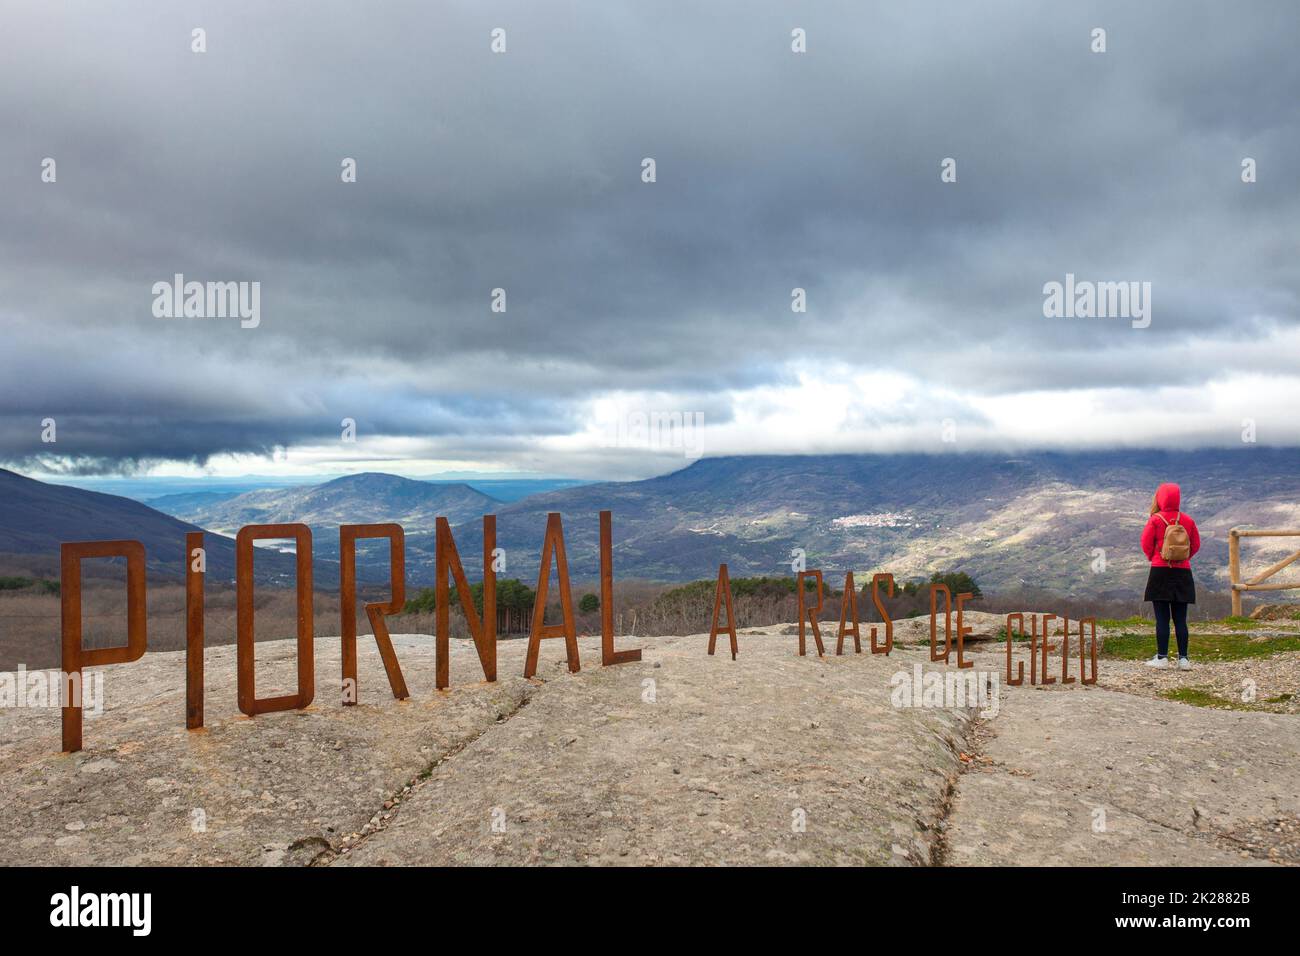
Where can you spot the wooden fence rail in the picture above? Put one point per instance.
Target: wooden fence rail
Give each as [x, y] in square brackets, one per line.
[1257, 582]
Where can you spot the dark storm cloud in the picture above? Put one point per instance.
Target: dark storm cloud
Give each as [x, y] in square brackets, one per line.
[521, 171]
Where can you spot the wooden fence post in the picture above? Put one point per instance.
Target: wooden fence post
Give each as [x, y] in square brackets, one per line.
[1234, 569]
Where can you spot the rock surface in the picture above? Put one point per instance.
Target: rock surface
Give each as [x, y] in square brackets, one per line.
[1068, 781]
[1091, 776]
[679, 758]
[687, 759]
[280, 788]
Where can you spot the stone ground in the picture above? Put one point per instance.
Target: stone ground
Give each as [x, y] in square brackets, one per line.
[680, 758]
[1093, 776]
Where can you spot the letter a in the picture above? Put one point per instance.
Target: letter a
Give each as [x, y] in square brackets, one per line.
[849, 612]
[721, 594]
[553, 545]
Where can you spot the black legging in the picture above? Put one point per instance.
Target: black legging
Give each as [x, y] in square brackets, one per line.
[1163, 611]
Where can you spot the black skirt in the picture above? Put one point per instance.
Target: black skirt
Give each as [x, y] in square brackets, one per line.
[1171, 584]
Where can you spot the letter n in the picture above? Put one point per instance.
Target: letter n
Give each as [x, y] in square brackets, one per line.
[723, 594]
[348, 535]
[245, 669]
[74, 656]
[553, 546]
[484, 631]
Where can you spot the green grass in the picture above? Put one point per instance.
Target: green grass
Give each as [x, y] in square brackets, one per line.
[1201, 647]
[1200, 697]
[41, 585]
[1238, 622]
[1115, 624]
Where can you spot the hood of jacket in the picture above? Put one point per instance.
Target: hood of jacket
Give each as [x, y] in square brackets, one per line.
[1168, 497]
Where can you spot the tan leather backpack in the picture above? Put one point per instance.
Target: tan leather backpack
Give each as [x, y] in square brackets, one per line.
[1177, 545]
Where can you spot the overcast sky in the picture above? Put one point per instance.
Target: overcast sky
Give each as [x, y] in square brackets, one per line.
[522, 170]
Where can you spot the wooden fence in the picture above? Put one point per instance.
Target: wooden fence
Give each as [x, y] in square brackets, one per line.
[1257, 583]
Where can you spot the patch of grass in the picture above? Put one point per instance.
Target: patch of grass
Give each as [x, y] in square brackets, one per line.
[1240, 622]
[1279, 699]
[1201, 647]
[1016, 638]
[1200, 697]
[40, 585]
[1115, 624]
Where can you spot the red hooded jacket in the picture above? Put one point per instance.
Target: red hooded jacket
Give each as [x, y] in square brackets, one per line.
[1153, 535]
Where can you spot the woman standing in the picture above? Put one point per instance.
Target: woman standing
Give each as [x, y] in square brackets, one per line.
[1169, 541]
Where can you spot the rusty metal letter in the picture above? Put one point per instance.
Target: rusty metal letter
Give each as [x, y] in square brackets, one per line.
[74, 656]
[348, 535]
[849, 614]
[194, 577]
[1033, 649]
[1044, 677]
[884, 615]
[245, 660]
[1084, 679]
[962, 631]
[484, 631]
[1020, 675]
[1065, 654]
[609, 656]
[720, 595]
[934, 623]
[553, 545]
[810, 613]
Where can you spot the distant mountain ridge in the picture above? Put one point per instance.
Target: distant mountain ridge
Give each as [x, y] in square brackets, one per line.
[37, 518]
[1066, 522]
[367, 498]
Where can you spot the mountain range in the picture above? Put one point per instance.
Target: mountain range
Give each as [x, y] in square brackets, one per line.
[367, 498]
[1067, 522]
[37, 517]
